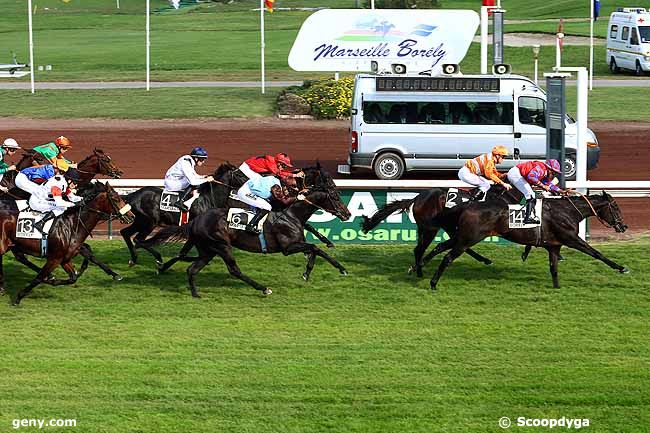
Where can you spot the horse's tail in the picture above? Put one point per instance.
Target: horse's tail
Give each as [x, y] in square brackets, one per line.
[168, 234]
[372, 222]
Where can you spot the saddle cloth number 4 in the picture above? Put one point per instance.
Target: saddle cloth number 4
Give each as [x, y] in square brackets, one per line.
[168, 200]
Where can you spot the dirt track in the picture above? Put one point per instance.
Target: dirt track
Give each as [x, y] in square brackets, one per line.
[145, 149]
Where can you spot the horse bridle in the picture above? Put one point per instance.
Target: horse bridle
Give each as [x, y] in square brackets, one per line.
[329, 197]
[617, 219]
[117, 211]
[103, 163]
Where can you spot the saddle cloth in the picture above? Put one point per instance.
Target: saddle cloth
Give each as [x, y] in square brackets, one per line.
[26, 219]
[516, 213]
[169, 199]
[238, 218]
[455, 197]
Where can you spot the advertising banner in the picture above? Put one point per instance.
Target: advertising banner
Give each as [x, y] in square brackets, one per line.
[349, 39]
[396, 228]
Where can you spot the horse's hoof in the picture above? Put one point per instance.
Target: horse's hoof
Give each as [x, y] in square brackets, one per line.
[488, 262]
[131, 263]
[411, 269]
[2, 292]
[433, 287]
[196, 295]
[117, 277]
[560, 259]
[330, 245]
[624, 271]
[267, 291]
[344, 272]
[305, 277]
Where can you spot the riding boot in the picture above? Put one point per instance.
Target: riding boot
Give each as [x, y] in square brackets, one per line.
[252, 224]
[182, 197]
[477, 195]
[530, 208]
[40, 224]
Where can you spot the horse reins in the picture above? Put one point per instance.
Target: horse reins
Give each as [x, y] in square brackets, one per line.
[602, 221]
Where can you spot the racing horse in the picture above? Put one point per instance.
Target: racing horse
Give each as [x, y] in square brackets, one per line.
[66, 237]
[559, 227]
[430, 215]
[145, 204]
[283, 232]
[97, 163]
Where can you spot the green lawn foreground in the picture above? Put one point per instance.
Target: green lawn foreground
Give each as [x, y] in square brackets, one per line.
[375, 351]
[605, 103]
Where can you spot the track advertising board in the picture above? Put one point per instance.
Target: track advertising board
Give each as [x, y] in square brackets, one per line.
[396, 228]
[350, 39]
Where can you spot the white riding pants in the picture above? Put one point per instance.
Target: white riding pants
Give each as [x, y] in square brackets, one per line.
[23, 182]
[244, 168]
[245, 195]
[41, 205]
[468, 177]
[516, 179]
[175, 185]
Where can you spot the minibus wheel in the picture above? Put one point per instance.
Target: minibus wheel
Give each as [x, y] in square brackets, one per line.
[389, 166]
[638, 69]
[613, 67]
[570, 167]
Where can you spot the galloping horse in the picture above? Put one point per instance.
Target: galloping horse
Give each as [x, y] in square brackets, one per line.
[66, 238]
[145, 204]
[430, 216]
[560, 219]
[283, 232]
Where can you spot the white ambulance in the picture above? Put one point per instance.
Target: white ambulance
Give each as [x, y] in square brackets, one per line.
[628, 40]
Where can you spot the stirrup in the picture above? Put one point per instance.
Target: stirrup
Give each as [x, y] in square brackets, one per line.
[252, 229]
[531, 220]
[182, 207]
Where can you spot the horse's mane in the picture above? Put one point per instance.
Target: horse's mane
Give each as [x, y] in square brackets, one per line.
[223, 169]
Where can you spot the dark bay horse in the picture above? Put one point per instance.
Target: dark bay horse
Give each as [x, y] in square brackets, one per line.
[145, 204]
[66, 237]
[28, 158]
[283, 232]
[430, 216]
[560, 220]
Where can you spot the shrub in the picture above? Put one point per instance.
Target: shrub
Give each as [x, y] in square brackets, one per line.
[329, 99]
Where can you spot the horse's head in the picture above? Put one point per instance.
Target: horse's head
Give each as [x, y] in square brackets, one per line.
[609, 212]
[100, 163]
[323, 193]
[223, 169]
[103, 199]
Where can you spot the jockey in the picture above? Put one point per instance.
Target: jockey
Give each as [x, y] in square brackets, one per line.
[31, 178]
[9, 146]
[55, 150]
[278, 165]
[475, 171]
[536, 173]
[183, 177]
[49, 196]
[258, 192]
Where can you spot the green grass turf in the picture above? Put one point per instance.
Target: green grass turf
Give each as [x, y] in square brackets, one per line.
[605, 103]
[375, 351]
[91, 40]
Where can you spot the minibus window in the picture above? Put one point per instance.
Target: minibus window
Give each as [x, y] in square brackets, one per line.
[634, 39]
[438, 113]
[613, 32]
[532, 111]
[625, 33]
[644, 33]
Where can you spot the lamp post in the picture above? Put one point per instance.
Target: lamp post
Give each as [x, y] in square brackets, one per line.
[536, 57]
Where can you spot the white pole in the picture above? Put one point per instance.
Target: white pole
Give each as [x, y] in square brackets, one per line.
[372, 4]
[484, 39]
[582, 115]
[558, 51]
[148, 44]
[536, 61]
[31, 43]
[591, 47]
[118, 4]
[262, 42]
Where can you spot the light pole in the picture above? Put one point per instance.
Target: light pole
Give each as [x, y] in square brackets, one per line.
[536, 57]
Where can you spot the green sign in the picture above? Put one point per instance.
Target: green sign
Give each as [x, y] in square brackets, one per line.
[396, 228]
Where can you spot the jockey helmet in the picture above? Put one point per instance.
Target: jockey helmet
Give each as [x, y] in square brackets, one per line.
[284, 159]
[199, 152]
[554, 165]
[72, 175]
[499, 150]
[10, 143]
[61, 165]
[63, 142]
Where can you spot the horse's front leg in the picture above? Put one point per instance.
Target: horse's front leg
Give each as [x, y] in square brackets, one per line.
[319, 236]
[311, 249]
[40, 277]
[89, 256]
[68, 267]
